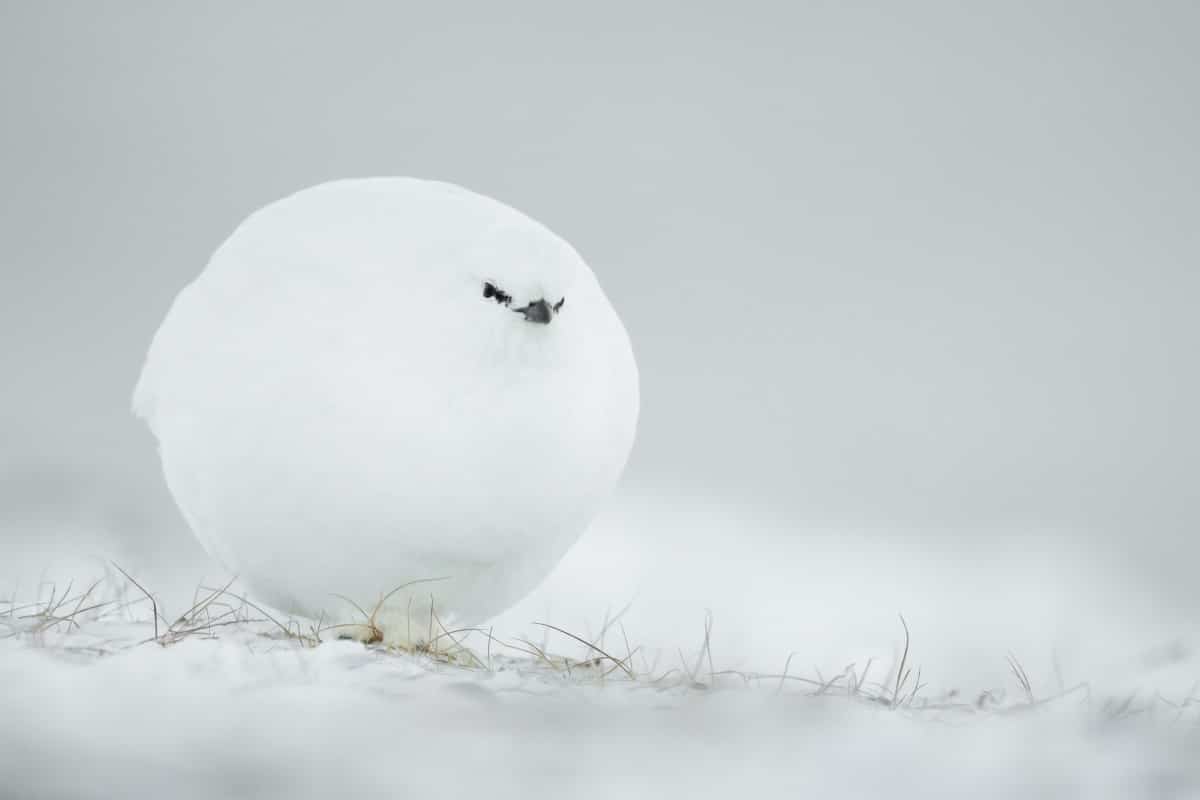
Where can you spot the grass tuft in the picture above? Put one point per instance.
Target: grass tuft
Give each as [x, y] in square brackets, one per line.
[215, 610]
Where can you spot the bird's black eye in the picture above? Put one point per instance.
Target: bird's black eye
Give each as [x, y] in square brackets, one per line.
[558, 306]
[490, 291]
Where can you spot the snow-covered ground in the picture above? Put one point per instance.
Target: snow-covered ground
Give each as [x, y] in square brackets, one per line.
[240, 716]
[221, 706]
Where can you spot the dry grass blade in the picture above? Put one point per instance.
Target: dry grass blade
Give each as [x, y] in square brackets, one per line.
[862, 678]
[917, 686]
[287, 631]
[784, 676]
[706, 648]
[52, 607]
[901, 673]
[535, 651]
[47, 616]
[747, 678]
[450, 634]
[153, 602]
[356, 606]
[610, 621]
[457, 643]
[202, 605]
[71, 618]
[374, 632]
[1022, 677]
[826, 685]
[586, 643]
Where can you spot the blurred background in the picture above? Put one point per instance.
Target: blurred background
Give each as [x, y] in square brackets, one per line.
[911, 286]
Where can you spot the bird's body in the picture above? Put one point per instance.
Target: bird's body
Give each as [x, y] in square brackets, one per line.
[346, 402]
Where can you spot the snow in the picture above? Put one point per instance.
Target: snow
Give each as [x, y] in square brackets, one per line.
[242, 710]
[250, 715]
[239, 716]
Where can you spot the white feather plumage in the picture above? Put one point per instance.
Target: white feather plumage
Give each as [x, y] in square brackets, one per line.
[341, 411]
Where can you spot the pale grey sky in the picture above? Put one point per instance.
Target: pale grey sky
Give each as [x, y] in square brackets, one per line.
[928, 263]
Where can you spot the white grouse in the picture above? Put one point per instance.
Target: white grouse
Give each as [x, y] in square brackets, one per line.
[383, 381]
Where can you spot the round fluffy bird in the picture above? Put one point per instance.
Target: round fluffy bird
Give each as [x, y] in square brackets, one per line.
[392, 399]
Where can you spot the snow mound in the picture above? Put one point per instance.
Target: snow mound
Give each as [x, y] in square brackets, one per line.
[228, 700]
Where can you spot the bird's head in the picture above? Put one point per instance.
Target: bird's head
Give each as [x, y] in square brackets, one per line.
[525, 273]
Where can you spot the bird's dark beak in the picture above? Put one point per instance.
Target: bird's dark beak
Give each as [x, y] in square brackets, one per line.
[537, 311]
